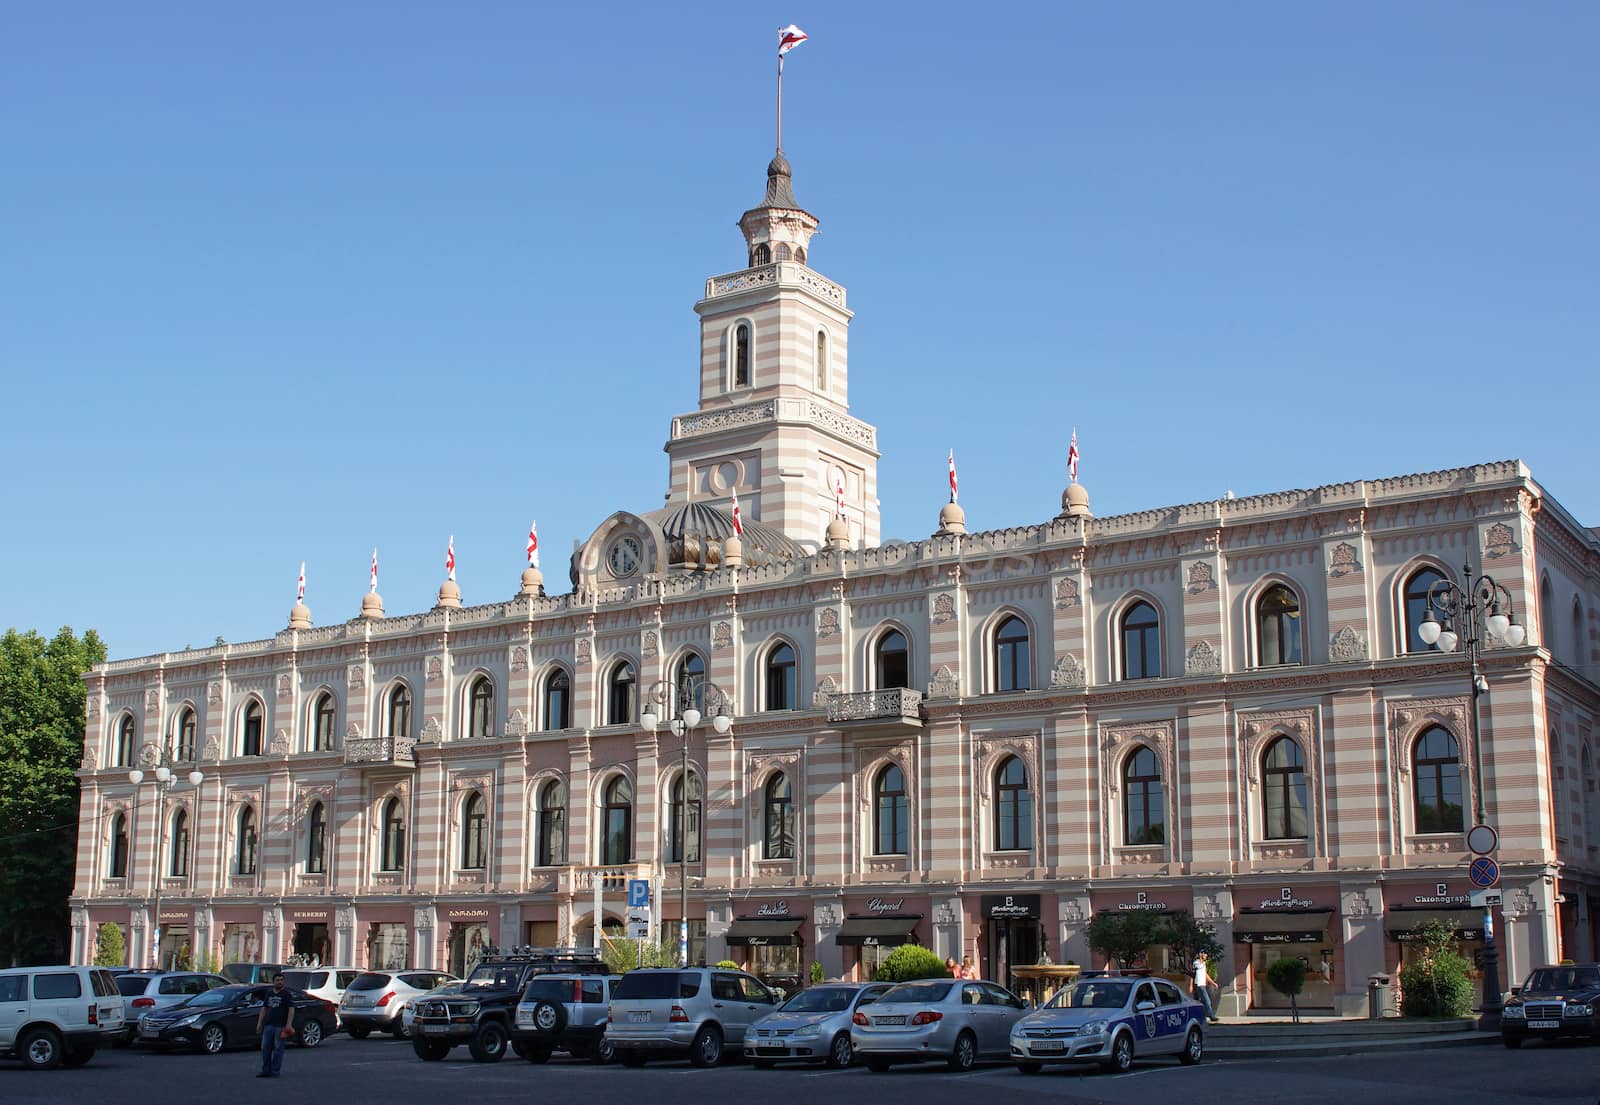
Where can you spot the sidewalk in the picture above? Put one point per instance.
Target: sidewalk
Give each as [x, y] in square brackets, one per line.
[1262, 1037]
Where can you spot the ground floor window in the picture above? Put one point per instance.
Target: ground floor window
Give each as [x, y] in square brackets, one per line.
[388, 943]
[870, 957]
[312, 945]
[241, 943]
[779, 965]
[177, 953]
[468, 944]
[1320, 967]
[540, 934]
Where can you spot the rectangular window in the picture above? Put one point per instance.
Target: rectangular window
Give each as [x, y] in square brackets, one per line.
[63, 984]
[11, 987]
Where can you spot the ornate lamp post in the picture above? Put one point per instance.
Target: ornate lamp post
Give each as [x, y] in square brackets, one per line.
[1472, 616]
[163, 780]
[685, 700]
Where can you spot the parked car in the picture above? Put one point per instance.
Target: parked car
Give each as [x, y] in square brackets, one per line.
[1111, 1020]
[813, 1026]
[146, 991]
[57, 1016]
[327, 983]
[697, 1011]
[1554, 1002]
[251, 972]
[374, 998]
[950, 1019]
[482, 1015]
[564, 1012]
[226, 1017]
[408, 1011]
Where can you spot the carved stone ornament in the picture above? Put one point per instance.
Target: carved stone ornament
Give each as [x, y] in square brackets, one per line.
[214, 694]
[435, 669]
[431, 730]
[1202, 660]
[945, 684]
[1067, 674]
[828, 624]
[356, 677]
[1409, 717]
[650, 647]
[280, 743]
[1344, 562]
[585, 650]
[826, 689]
[721, 635]
[1499, 541]
[1347, 646]
[944, 914]
[1201, 578]
[424, 919]
[944, 609]
[519, 659]
[1257, 730]
[1066, 594]
[152, 700]
[90, 759]
[517, 724]
[92, 709]
[352, 732]
[149, 754]
[285, 686]
[212, 749]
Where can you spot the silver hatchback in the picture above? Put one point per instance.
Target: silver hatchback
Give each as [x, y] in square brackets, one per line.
[957, 1021]
[813, 1026]
[696, 1010]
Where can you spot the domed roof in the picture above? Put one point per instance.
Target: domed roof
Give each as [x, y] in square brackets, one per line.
[780, 183]
[688, 525]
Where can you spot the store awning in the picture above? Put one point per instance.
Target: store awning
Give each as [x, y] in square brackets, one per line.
[1402, 924]
[883, 931]
[1310, 927]
[760, 932]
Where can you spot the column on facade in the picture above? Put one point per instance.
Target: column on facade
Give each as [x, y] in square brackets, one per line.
[950, 850]
[1356, 790]
[1348, 600]
[509, 861]
[828, 813]
[649, 800]
[1207, 790]
[581, 849]
[1069, 761]
[431, 802]
[724, 802]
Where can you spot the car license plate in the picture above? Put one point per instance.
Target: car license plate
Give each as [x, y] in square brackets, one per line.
[1544, 1024]
[146, 1030]
[772, 1051]
[639, 1016]
[1038, 1047]
[888, 1020]
[435, 1029]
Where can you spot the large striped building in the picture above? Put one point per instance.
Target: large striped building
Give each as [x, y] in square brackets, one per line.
[975, 741]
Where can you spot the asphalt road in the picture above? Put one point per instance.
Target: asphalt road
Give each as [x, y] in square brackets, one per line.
[385, 1070]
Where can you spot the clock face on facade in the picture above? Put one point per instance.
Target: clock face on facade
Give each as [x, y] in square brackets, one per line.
[624, 556]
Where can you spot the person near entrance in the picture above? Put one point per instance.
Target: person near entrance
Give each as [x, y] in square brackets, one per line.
[1202, 986]
[275, 1024]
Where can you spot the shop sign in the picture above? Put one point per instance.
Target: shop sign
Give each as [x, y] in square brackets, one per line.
[1287, 900]
[1441, 896]
[309, 915]
[175, 915]
[1281, 937]
[466, 914]
[886, 905]
[773, 909]
[1000, 907]
[1405, 936]
[1141, 900]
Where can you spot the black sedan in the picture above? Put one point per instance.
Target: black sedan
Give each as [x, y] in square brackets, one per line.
[226, 1017]
[1554, 1002]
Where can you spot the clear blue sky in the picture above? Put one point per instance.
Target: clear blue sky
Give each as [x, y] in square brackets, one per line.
[290, 282]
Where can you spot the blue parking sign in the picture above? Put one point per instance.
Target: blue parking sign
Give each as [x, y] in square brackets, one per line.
[638, 893]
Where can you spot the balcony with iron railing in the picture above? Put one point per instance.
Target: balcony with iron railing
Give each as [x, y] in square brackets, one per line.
[896, 707]
[381, 751]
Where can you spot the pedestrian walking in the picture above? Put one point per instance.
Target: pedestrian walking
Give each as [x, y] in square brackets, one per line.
[275, 1024]
[1202, 986]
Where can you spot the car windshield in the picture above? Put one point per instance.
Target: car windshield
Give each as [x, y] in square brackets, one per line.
[648, 985]
[372, 980]
[497, 978]
[1091, 995]
[911, 992]
[224, 995]
[131, 986]
[820, 999]
[446, 990]
[1555, 980]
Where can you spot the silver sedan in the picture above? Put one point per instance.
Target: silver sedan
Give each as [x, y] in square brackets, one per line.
[957, 1021]
[813, 1026]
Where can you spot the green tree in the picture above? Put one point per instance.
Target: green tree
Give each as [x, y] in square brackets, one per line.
[1436, 983]
[1124, 936]
[1188, 937]
[1288, 977]
[109, 950]
[817, 974]
[910, 961]
[622, 954]
[41, 745]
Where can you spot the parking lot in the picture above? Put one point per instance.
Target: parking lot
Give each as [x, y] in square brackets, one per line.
[381, 1069]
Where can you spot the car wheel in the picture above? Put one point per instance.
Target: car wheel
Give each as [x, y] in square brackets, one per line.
[964, 1054]
[41, 1049]
[604, 1051]
[1512, 1042]
[1194, 1047]
[1029, 1068]
[877, 1066]
[549, 1018]
[213, 1039]
[310, 1033]
[77, 1057]
[359, 1033]
[1121, 1058]
[489, 1045]
[841, 1053]
[399, 1030]
[706, 1050]
[431, 1050]
[633, 1059]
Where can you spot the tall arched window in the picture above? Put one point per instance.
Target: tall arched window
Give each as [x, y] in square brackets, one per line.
[620, 690]
[892, 661]
[689, 681]
[1012, 657]
[184, 742]
[780, 678]
[1141, 642]
[822, 360]
[125, 741]
[1277, 627]
[1144, 809]
[475, 832]
[1436, 779]
[557, 700]
[481, 708]
[616, 822]
[777, 840]
[244, 854]
[323, 721]
[400, 711]
[891, 820]
[317, 839]
[118, 867]
[1283, 793]
[782, 252]
[252, 729]
[1547, 614]
[553, 824]
[178, 835]
[1013, 807]
[1580, 634]
[761, 255]
[1416, 600]
[683, 828]
[800, 254]
[741, 355]
[392, 853]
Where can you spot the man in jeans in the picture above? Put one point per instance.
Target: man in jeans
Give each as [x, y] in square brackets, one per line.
[1202, 985]
[275, 1024]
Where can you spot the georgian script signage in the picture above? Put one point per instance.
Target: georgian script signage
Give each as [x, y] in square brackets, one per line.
[1000, 907]
[466, 914]
[885, 905]
[174, 915]
[773, 909]
[1287, 900]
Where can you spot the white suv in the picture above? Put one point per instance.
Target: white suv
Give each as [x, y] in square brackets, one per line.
[57, 1016]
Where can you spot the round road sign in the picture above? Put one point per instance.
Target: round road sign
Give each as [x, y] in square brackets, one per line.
[1481, 840]
[1483, 873]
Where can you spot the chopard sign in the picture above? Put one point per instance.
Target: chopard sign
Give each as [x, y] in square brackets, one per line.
[881, 905]
[773, 909]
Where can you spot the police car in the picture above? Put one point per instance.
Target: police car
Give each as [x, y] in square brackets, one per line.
[1110, 1019]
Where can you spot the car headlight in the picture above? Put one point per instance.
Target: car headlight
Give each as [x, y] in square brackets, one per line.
[1093, 1028]
[1515, 1012]
[468, 1010]
[809, 1032]
[190, 1019]
[1579, 1011]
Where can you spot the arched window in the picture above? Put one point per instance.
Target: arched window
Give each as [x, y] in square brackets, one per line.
[119, 847]
[683, 828]
[800, 254]
[392, 853]
[616, 822]
[1416, 600]
[1547, 614]
[741, 355]
[125, 741]
[1012, 663]
[481, 708]
[1436, 777]
[1283, 793]
[620, 690]
[822, 360]
[400, 711]
[252, 729]
[1013, 807]
[782, 252]
[475, 832]
[761, 255]
[1144, 810]
[558, 700]
[1277, 627]
[892, 661]
[183, 745]
[1580, 635]
[891, 828]
[781, 679]
[324, 719]
[244, 855]
[553, 824]
[317, 839]
[1141, 642]
[777, 841]
[690, 683]
[178, 834]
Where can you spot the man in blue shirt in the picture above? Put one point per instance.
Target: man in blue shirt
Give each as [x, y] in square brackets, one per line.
[275, 1024]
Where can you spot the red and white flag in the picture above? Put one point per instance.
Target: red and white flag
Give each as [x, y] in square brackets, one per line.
[300, 596]
[1072, 458]
[450, 560]
[533, 544]
[738, 524]
[839, 498]
[952, 475]
[373, 586]
[790, 37]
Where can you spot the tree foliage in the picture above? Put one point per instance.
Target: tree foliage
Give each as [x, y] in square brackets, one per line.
[623, 954]
[41, 744]
[910, 961]
[1288, 977]
[1126, 936]
[109, 948]
[1436, 983]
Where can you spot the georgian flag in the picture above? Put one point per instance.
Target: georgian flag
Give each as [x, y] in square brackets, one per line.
[788, 38]
[373, 586]
[952, 475]
[1072, 458]
[450, 560]
[300, 596]
[533, 544]
[839, 498]
[738, 525]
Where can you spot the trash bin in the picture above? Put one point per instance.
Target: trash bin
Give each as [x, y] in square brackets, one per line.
[1380, 996]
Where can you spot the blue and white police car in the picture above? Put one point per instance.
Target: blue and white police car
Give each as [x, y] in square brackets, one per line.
[1111, 1020]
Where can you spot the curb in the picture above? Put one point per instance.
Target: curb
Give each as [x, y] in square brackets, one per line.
[1353, 1046]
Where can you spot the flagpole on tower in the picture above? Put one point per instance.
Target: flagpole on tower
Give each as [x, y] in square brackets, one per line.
[780, 102]
[788, 38]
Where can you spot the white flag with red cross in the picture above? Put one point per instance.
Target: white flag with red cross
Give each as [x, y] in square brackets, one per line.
[1072, 458]
[450, 560]
[738, 523]
[300, 595]
[952, 475]
[373, 585]
[839, 498]
[533, 544]
[790, 37]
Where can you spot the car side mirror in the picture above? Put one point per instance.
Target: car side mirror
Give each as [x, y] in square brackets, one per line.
[1145, 1007]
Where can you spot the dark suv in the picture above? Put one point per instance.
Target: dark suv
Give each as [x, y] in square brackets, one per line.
[483, 1014]
[1554, 1002]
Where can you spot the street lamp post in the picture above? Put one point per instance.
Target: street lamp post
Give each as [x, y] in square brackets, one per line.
[163, 779]
[1472, 616]
[684, 701]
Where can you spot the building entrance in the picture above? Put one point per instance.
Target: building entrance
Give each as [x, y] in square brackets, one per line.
[1013, 935]
[311, 943]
